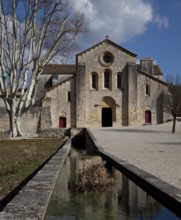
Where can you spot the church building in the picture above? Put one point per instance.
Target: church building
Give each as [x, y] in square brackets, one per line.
[105, 88]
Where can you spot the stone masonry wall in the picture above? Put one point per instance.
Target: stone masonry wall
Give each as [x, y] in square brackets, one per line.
[29, 121]
[132, 94]
[89, 101]
[45, 121]
[28, 124]
[154, 101]
[81, 95]
[4, 119]
[60, 104]
[125, 78]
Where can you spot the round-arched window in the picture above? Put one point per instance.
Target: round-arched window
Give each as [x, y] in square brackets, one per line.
[106, 58]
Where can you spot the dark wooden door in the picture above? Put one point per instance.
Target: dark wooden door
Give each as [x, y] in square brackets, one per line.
[62, 122]
[106, 117]
[147, 117]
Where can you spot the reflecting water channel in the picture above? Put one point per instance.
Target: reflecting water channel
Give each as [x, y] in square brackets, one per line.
[125, 200]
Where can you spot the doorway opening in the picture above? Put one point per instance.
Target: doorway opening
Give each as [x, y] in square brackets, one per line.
[62, 122]
[147, 117]
[107, 117]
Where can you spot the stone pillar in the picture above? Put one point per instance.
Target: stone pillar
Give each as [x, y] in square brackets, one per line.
[125, 97]
[132, 94]
[80, 95]
[73, 103]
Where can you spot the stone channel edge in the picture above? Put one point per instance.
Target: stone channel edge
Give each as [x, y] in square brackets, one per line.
[32, 200]
[168, 195]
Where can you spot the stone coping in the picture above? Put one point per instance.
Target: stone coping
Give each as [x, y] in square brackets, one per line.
[32, 200]
[168, 195]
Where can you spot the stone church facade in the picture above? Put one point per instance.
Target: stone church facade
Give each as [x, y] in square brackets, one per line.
[105, 88]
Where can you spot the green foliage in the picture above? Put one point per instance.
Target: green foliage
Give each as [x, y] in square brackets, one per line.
[19, 158]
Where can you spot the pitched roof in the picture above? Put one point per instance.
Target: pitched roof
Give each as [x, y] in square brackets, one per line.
[111, 43]
[157, 70]
[49, 86]
[59, 69]
[152, 76]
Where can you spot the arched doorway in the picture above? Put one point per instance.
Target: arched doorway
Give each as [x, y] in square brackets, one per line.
[62, 122]
[106, 117]
[108, 111]
[147, 117]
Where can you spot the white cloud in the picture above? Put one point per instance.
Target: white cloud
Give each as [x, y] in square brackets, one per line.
[120, 19]
[161, 21]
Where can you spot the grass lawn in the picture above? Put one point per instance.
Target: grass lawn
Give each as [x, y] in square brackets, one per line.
[19, 158]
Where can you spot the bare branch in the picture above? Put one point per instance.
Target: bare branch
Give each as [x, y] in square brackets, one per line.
[172, 99]
[28, 41]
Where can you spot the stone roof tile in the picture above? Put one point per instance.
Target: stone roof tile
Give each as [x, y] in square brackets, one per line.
[111, 43]
[59, 69]
[157, 70]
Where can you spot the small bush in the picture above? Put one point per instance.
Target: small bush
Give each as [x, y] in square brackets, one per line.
[94, 177]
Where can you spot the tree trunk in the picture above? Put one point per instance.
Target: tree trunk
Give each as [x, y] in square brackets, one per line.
[14, 120]
[174, 123]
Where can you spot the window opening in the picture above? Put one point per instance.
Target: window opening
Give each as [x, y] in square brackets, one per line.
[147, 89]
[119, 81]
[106, 80]
[69, 96]
[94, 81]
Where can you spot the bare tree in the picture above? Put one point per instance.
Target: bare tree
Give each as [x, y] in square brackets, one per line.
[32, 33]
[172, 99]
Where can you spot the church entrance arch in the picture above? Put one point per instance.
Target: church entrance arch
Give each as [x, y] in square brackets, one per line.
[108, 111]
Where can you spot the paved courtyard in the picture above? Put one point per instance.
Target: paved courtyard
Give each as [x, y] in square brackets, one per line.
[152, 148]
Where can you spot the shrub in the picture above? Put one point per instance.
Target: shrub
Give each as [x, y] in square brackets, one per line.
[94, 177]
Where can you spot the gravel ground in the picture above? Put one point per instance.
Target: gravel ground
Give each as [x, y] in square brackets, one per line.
[152, 148]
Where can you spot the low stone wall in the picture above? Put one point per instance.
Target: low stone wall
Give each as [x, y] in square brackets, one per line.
[4, 134]
[45, 121]
[53, 132]
[34, 119]
[29, 121]
[48, 133]
[4, 119]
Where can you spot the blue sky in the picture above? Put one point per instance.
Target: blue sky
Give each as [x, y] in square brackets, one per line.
[149, 28]
[162, 43]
